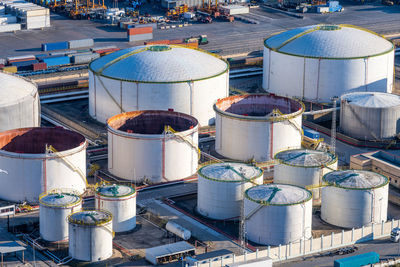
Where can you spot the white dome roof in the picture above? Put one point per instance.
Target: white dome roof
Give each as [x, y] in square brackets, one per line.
[278, 194]
[372, 99]
[304, 157]
[13, 89]
[329, 41]
[230, 172]
[159, 64]
[355, 179]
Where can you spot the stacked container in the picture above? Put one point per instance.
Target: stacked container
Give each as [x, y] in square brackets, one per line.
[73, 44]
[140, 34]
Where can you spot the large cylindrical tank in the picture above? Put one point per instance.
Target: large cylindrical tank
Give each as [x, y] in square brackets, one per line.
[318, 62]
[157, 77]
[55, 206]
[120, 200]
[140, 148]
[19, 103]
[354, 198]
[278, 214]
[257, 126]
[90, 235]
[28, 170]
[370, 116]
[304, 168]
[221, 188]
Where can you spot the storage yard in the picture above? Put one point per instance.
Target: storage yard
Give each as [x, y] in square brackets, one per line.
[196, 133]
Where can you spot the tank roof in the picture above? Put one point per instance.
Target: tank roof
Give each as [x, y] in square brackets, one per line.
[230, 172]
[151, 121]
[59, 199]
[34, 140]
[306, 158]
[90, 217]
[355, 179]
[13, 89]
[329, 41]
[372, 99]
[115, 191]
[278, 194]
[168, 64]
[260, 107]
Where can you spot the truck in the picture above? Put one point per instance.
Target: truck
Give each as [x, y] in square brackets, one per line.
[201, 39]
[357, 260]
[395, 235]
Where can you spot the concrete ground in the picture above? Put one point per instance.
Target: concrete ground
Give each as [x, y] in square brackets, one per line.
[231, 38]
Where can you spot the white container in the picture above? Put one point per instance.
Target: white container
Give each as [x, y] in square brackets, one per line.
[178, 230]
[304, 168]
[27, 170]
[139, 149]
[355, 60]
[247, 129]
[370, 115]
[235, 9]
[73, 44]
[157, 77]
[19, 102]
[221, 188]
[90, 235]
[55, 207]
[354, 198]
[322, 9]
[120, 200]
[10, 27]
[277, 214]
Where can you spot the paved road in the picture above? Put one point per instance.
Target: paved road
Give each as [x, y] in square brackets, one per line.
[230, 37]
[384, 247]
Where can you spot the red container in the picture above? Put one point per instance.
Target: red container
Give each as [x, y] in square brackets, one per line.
[39, 66]
[159, 42]
[177, 41]
[134, 31]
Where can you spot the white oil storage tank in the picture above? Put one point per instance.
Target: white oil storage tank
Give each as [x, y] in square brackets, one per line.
[221, 188]
[120, 200]
[304, 168]
[158, 77]
[354, 198]
[370, 115]
[278, 214]
[54, 208]
[324, 61]
[36, 160]
[257, 126]
[19, 103]
[90, 235]
[152, 145]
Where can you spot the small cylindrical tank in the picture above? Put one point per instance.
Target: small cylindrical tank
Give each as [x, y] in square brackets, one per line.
[178, 230]
[304, 168]
[90, 235]
[221, 187]
[354, 198]
[120, 200]
[277, 214]
[54, 208]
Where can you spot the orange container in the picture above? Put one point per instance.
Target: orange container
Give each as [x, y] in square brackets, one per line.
[159, 42]
[134, 31]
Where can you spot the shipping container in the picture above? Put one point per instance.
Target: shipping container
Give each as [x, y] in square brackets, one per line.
[20, 58]
[83, 59]
[24, 63]
[63, 53]
[3, 61]
[56, 61]
[81, 43]
[146, 25]
[143, 30]
[39, 66]
[41, 56]
[311, 134]
[10, 27]
[110, 50]
[158, 42]
[54, 46]
[177, 41]
[95, 49]
[8, 19]
[140, 37]
[358, 260]
[10, 69]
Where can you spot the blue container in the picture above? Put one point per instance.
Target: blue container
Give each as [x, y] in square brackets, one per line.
[54, 46]
[24, 63]
[56, 61]
[358, 260]
[311, 134]
[41, 56]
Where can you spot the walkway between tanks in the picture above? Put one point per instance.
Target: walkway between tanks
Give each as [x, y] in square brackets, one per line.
[200, 231]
